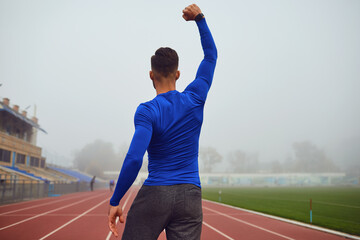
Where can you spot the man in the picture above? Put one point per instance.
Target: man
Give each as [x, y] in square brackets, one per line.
[168, 127]
[111, 185]
[92, 183]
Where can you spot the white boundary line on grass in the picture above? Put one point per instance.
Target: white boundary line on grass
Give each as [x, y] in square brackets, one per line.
[346, 235]
[74, 219]
[117, 219]
[44, 213]
[218, 231]
[335, 204]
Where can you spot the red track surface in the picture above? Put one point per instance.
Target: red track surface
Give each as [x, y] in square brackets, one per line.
[84, 216]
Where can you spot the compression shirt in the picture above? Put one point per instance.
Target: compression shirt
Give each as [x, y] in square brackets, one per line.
[168, 127]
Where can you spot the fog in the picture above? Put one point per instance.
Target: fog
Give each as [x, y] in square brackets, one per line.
[288, 73]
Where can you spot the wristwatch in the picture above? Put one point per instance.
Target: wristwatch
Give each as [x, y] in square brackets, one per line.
[199, 17]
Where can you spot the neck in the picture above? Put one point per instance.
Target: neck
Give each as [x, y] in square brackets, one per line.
[164, 85]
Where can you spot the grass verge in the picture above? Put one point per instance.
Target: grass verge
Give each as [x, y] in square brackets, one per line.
[336, 208]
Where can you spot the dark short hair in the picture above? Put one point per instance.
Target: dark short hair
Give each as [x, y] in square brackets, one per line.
[165, 61]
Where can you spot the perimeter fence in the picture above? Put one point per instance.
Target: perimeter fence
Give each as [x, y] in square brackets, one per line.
[15, 190]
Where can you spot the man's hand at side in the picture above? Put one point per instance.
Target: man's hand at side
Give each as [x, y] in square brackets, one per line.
[190, 12]
[115, 212]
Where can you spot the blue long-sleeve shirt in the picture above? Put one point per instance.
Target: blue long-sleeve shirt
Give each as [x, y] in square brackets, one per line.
[168, 127]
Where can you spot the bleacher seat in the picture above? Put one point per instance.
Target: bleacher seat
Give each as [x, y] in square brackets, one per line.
[73, 173]
[27, 173]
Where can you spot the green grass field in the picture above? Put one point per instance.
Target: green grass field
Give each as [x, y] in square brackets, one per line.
[336, 208]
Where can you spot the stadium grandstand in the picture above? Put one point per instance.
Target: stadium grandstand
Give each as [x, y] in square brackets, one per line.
[23, 170]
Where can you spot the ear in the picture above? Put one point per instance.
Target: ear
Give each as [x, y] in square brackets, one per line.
[151, 75]
[177, 75]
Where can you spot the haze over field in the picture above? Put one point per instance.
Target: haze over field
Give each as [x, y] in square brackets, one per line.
[288, 72]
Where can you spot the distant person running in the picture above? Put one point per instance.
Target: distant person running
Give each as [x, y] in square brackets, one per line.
[111, 185]
[168, 127]
[92, 183]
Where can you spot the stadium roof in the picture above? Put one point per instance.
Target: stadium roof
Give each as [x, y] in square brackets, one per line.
[4, 107]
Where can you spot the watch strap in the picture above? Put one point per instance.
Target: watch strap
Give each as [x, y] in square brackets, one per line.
[199, 17]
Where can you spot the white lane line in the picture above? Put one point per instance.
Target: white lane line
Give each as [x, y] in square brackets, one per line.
[345, 235]
[58, 215]
[42, 204]
[24, 202]
[34, 200]
[218, 231]
[74, 219]
[250, 224]
[42, 214]
[117, 220]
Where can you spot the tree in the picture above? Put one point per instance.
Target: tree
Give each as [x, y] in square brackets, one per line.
[237, 160]
[309, 158]
[242, 162]
[209, 156]
[121, 154]
[96, 157]
[276, 167]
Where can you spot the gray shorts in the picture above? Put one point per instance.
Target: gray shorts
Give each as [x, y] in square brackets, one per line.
[175, 208]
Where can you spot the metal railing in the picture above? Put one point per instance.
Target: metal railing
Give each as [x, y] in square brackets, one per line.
[15, 190]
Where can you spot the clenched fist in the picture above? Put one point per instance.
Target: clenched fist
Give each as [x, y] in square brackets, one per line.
[190, 12]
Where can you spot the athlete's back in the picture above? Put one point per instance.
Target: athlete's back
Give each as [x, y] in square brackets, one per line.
[168, 127]
[173, 149]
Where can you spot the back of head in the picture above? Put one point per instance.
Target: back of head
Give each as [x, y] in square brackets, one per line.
[165, 61]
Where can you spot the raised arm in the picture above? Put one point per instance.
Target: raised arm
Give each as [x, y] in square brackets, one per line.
[204, 76]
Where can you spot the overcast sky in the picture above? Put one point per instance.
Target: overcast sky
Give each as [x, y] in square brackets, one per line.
[287, 70]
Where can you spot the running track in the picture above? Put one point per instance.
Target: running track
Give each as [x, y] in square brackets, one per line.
[84, 216]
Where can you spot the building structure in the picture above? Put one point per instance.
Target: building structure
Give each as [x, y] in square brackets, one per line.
[18, 135]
